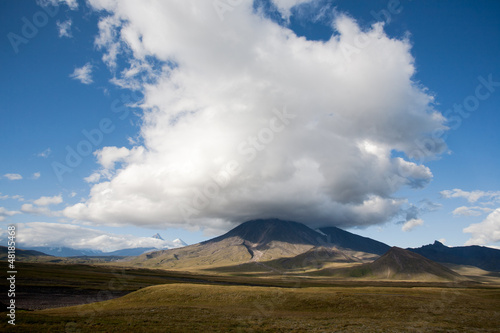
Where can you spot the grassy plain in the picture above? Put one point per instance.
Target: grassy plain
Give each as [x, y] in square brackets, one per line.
[190, 307]
[166, 301]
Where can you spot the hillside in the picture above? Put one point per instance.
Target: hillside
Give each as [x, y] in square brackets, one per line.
[399, 264]
[347, 240]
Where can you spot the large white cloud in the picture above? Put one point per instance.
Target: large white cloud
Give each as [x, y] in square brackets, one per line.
[247, 120]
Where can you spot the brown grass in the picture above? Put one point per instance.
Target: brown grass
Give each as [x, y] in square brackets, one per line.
[209, 308]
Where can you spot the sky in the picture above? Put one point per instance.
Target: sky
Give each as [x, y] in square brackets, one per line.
[121, 119]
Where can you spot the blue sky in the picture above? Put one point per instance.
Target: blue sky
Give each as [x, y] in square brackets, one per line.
[110, 115]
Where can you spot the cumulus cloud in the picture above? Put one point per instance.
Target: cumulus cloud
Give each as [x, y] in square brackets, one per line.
[64, 28]
[486, 232]
[36, 175]
[77, 237]
[13, 176]
[243, 119]
[4, 213]
[83, 74]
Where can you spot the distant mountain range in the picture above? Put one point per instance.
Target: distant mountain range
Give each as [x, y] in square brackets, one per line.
[72, 252]
[272, 244]
[480, 256]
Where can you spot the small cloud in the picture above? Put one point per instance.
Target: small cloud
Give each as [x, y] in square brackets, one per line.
[72, 4]
[4, 213]
[13, 176]
[93, 178]
[36, 210]
[18, 197]
[65, 28]
[442, 240]
[471, 211]
[471, 196]
[15, 197]
[410, 224]
[83, 74]
[72, 194]
[45, 153]
[45, 201]
[36, 175]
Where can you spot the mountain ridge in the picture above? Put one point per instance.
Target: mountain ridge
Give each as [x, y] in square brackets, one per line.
[483, 257]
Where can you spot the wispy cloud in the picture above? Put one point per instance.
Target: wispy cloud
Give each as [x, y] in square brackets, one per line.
[72, 4]
[470, 196]
[46, 153]
[410, 224]
[414, 212]
[471, 211]
[13, 176]
[38, 210]
[65, 28]
[36, 175]
[14, 197]
[4, 213]
[83, 74]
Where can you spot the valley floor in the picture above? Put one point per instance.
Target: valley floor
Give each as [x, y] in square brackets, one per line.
[210, 308]
[162, 301]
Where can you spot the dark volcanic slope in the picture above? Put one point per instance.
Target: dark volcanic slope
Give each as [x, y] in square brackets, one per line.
[265, 231]
[354, 242]
[398, 263]
[479, 256]
[259, 241]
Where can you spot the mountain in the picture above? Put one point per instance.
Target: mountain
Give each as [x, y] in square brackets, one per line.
[62, 251]
[347, 240]
[157, 236]
[262, 232]
[483, 257]
[257, 240]
[402, 264]
[179, 242]
[398, 264]
[262, 240]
